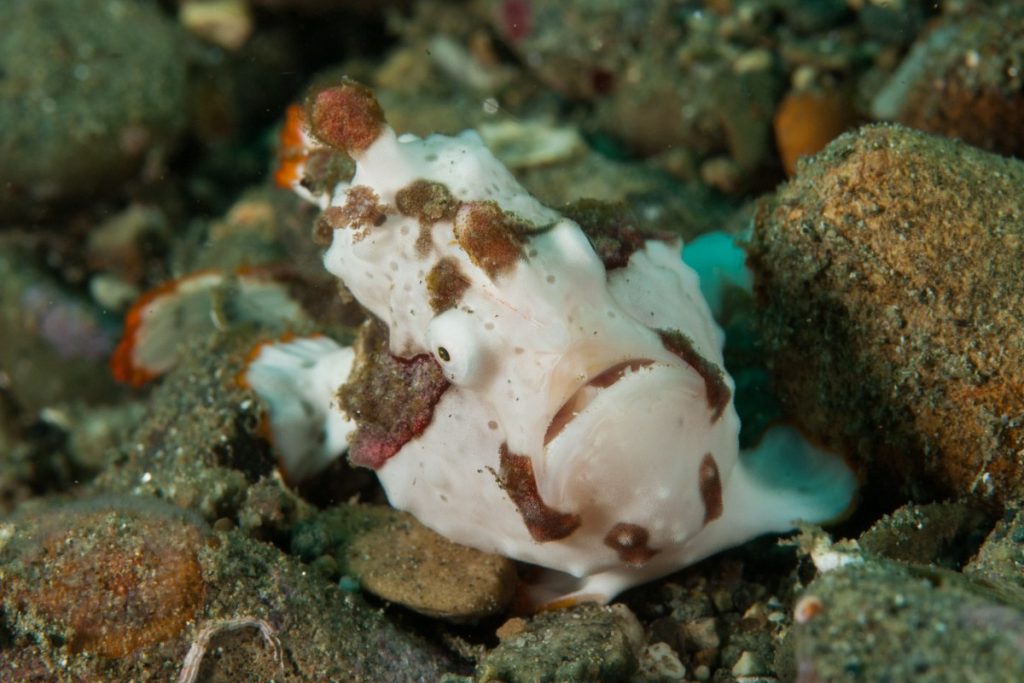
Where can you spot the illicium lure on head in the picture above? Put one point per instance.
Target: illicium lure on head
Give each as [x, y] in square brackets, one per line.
[514, 390]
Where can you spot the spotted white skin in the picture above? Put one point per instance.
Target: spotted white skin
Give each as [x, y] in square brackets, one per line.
[526, 345]
[298, 381]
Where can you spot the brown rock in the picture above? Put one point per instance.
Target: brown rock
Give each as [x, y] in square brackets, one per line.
[407, 563]
[963, 80]
[110, 580]
[890, 274]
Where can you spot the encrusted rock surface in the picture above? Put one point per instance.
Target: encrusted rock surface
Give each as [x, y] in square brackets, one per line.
[879, 620]
[890, 273]
[583, 643]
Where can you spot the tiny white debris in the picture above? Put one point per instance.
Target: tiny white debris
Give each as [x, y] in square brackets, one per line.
[827, 556]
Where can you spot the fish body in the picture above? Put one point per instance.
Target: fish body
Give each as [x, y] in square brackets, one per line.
[569, 409]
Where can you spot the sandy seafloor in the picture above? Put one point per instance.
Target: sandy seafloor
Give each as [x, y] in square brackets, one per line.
[867, 152]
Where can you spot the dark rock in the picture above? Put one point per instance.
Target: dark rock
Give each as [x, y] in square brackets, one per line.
[83, 101]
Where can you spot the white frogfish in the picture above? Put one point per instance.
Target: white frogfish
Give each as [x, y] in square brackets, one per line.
[519, 389]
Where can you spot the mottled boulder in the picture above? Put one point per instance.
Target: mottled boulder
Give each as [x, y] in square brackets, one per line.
[890, 276]
[879, 620]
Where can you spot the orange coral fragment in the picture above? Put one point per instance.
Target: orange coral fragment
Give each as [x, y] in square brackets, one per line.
[292, 152]
[807, 121]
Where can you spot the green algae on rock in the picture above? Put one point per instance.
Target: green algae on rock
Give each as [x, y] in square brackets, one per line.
[890, 273]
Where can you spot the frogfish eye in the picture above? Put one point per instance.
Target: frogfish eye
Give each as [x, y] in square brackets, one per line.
[455, 337]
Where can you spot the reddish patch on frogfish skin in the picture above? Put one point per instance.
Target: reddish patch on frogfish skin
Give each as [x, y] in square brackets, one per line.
[491, 238]
[291, 150]
[715, 388]
[374, 443]
[391, 399]
[630, 541]
[362, 210]
[710, 488]
[544, 523]
[346, 117]
[429, 203]
[445, 285]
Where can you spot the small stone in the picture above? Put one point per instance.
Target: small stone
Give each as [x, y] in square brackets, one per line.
[511, 628]
[658, 662]
[749, 664]
[325, 565]
[111, 292]
[756, 615]
[700, 634]
[407, 563]
[807, 607]
[227, 23]
[723, 600]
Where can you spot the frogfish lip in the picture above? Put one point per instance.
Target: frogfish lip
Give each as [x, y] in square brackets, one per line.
[585, 394]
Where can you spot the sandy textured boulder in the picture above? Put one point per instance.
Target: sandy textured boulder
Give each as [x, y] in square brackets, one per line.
[891, 272]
